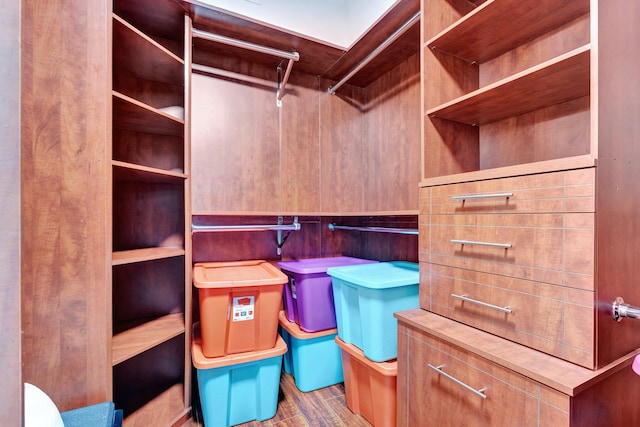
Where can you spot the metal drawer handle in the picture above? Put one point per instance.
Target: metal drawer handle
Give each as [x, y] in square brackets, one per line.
[481, 196]
[471, 242]
[457, 381]
[484, 304]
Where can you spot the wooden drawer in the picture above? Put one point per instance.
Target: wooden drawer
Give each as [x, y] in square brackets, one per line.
[522, 387]
[549, 318]
[565, 191]
[551, 248]
[471, 391]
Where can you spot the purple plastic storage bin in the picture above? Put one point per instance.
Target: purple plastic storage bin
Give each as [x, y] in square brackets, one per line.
[308, 297]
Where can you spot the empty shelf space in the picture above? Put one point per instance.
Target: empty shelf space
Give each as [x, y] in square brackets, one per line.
[480, 35]
[555, 81]
[146, 254]
[140, 56]
[130, 114]
[123, 171]
[138, 339]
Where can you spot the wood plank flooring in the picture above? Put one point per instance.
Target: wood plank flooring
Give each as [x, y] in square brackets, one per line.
[326, 407]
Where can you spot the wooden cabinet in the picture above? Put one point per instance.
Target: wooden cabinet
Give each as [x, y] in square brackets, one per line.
[452, 375]
[528, 191]
[151, 259]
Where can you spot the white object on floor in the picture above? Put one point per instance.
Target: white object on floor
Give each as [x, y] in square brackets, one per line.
[39, 409]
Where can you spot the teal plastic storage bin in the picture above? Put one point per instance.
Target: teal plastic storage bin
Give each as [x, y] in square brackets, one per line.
[366, 296]
[313, 358]
[240, 387]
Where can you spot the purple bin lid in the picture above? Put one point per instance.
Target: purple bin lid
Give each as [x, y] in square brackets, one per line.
[320, 265]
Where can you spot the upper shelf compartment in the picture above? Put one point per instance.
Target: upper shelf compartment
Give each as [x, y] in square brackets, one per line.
[139, 56]
[480, 35]
[552, 82]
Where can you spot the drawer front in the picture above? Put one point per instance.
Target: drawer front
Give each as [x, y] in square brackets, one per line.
[549, 318]
[566, 191]
[549, 248]
[448, 386]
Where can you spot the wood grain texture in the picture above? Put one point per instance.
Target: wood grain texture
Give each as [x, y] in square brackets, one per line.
[342, 154]
[235, 146]
[65, 136]
[10, 259]
[392, 129]
[558, 393]
[618, 155]
[300, 145]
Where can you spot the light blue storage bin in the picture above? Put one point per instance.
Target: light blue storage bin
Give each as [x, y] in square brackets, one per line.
[366, 296]
[313, 358]
[240, 387]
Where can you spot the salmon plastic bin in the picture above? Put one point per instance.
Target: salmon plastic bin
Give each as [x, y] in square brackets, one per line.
[239, 304]
[237, 388]
[308, 296]
[370, 387]
[313, 358]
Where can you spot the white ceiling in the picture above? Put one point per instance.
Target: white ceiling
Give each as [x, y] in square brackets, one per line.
[336, 22]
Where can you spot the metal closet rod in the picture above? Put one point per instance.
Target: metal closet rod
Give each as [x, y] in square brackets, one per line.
[400, 31]
[245, 45]
[334, 227]
[295, 226]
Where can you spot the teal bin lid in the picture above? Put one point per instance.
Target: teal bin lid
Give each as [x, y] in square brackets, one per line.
[379, 276]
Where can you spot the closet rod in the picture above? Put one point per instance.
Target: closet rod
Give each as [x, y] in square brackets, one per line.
[295, 226]
[400, 31]
[334, 227]
[245, 45]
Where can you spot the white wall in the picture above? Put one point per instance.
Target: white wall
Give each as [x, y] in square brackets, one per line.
[336, 22]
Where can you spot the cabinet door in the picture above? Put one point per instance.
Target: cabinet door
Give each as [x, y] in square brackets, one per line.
[446, 386]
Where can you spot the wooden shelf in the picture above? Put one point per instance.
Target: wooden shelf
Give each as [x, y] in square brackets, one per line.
[165, 404]
[124, 171]
[136, 340]
[566, 163]
[552, 82]
[142, 57]
[499, 26]
[133, 115]
[147, 254]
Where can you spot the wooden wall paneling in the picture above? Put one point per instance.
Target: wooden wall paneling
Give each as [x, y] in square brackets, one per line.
[300, 146]
[11, 392]
[235, 153]
[342, 156]
[371, 245]
[616, 109]
[66, 253]
[392, 135]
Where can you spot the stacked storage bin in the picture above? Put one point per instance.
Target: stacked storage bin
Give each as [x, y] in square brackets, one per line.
[365, 297]
[308, 323]
[236, 348]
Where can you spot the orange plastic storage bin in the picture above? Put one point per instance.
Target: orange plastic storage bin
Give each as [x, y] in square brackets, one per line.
[370, 387]
[239, 304]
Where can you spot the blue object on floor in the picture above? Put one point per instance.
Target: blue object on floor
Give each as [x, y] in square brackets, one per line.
[98, 415]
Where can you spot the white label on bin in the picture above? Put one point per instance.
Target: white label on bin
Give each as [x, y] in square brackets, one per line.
[243, 309]
[292, 283]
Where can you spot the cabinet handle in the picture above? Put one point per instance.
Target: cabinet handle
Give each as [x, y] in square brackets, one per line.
[457, 381]
[471, 242]
[484, 304]
[481, 196]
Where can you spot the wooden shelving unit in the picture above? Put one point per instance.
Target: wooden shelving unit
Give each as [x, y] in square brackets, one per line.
[151, 258]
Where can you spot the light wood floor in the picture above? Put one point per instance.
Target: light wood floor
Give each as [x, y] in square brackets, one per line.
[320, 408]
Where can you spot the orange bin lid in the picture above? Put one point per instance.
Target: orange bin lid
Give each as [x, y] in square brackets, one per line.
[237, 274]
[295, 331]
[202, 362]
[388, 369]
